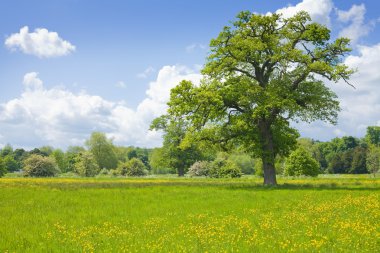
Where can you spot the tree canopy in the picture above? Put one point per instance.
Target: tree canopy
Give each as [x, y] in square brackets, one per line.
[262, 73]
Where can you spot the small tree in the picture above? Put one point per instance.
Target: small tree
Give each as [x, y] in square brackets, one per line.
[86, 165]
[300, 162]
[40, 166]
[373, 160]
[3, 170]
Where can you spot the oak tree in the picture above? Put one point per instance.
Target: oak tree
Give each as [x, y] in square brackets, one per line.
[262, 73]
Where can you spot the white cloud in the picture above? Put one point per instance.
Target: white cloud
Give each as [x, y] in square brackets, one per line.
[357, 28]
[360, 106]
[32, 82]
[41, 43]
[121, 84]
[146, 73]
[319, 10]
[195, 46]
[61, 118]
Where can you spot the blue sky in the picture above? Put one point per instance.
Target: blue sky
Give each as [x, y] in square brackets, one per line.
[111, 64]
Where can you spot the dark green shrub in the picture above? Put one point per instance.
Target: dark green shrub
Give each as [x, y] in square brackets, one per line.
[133, 168]
[300, 162]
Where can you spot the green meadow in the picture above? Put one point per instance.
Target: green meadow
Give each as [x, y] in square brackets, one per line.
[339, 214]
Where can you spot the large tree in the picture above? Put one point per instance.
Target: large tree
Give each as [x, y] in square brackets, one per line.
[262, 73]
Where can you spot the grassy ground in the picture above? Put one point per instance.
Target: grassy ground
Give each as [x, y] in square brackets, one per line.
[189, 215]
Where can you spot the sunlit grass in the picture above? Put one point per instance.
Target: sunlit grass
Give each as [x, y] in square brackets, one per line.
[189, 215]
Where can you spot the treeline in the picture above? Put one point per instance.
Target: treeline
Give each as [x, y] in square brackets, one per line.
[99, 156]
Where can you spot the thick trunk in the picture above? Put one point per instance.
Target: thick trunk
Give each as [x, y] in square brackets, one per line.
[269, 173]
[181, 172]
[268, 153]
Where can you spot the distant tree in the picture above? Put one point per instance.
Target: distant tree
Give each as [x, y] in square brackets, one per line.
[6, 150]
[300, 162]
[102, 149]
[373, 135]
[3, 170]
[373, 159]
[37, 151]
[359, 159]
[178, 156]
[71, 155]
[47, 150]
[40, 166]
[159, 163]
[59, 157]
[86, 165]
[10, 163]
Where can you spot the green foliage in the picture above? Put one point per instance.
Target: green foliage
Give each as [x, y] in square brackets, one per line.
[199, 168]
[223, 167]
[300, 162]
[103, 150]
[40, 166]
[86, 165]
[133, 168]
[261, 74]
[3, 169]
[177, 151]
[59, 157]
[10, 163]
[373, 159]
[373, 135]
[244, 162]
[6, 150]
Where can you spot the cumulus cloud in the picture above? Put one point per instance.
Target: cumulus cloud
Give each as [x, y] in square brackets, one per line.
[319, 10]
[60, 118]
[41, 43]
[360, 106]
[357, 27]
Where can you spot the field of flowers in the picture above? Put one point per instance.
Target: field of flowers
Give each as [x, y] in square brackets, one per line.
[189, 215]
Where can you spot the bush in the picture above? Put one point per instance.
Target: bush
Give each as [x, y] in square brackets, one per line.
[40, 166]
[300, 162]
[230, 170]
[86, 165]
[133, 168]
[223, 167]
[199, 168]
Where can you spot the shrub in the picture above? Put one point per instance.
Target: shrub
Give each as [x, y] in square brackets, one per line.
[300, 162]
[199, 168]
[223, 167]
[40, 166]
[230, 170]
[133, 168]
[86, 165]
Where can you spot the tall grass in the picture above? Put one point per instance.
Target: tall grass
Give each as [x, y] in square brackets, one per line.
[189, 215]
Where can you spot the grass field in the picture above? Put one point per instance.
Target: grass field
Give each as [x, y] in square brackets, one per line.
[189, 215]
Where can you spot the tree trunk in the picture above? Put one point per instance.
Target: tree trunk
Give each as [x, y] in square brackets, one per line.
[268, 152]
[181, 172]
[269, 173]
